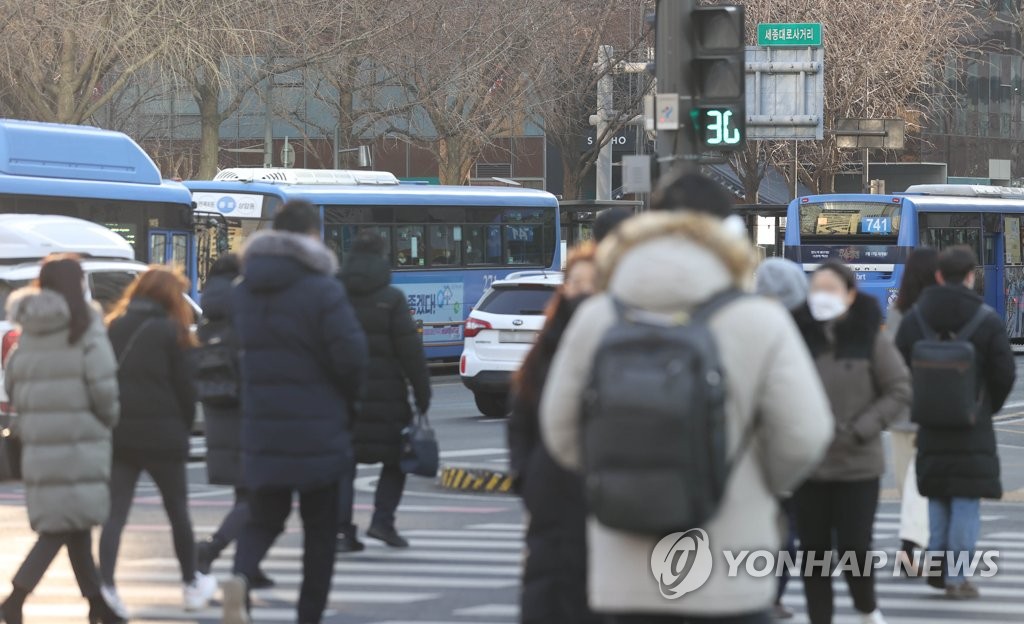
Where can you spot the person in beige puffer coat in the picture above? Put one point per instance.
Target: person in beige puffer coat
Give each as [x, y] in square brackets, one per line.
[668, 262]
[62, 380]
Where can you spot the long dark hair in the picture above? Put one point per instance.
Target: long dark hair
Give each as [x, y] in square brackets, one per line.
[918, 275]
[528, 382]
[62, 273]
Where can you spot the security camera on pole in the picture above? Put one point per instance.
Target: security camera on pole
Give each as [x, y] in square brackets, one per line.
[700, 105]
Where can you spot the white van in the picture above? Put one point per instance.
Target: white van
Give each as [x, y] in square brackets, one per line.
[25, 240]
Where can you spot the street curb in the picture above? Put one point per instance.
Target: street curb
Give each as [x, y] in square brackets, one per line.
[467, 478]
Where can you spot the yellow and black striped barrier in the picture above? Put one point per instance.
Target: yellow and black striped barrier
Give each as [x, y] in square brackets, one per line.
[475, 479]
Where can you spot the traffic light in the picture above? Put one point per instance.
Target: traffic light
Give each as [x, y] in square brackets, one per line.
[718, 74]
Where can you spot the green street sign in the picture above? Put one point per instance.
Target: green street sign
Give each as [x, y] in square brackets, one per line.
[789, 35]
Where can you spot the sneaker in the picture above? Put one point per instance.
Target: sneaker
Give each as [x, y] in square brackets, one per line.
[261, 581]
[875, 617]
[349, 543]
[236, 601]
[388, 535]
[963, 591]
[109, 593]
[780, 612]
[199, 592]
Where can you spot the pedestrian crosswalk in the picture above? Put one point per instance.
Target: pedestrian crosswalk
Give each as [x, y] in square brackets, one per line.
[484, 558]
[470, 575]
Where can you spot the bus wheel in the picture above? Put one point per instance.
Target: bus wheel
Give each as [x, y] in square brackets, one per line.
[492, 405]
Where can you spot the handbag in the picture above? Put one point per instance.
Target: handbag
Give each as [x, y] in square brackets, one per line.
[10, 452]
[419, 454]
[216, 374]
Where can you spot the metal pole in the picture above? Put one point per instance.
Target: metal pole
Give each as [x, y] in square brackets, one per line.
[268, 125]
[672, 66]
[866, 181]
[796, 170]
[337, 137]
[605, 95]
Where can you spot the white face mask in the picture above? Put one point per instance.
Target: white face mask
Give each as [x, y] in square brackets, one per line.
[826, 306]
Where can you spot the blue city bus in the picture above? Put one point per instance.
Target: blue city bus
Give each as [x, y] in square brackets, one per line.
[874, 234]
[447, 243]
[99, 176]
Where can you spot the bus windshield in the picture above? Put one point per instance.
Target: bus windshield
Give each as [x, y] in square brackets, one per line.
[848, 220]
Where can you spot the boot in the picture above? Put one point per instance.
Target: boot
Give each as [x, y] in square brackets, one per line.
[10, 610]
[389, 535]
[102, 613]
[348, 540]
[261, 581]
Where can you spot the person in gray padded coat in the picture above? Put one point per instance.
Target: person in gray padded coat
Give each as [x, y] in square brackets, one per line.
[62, 379]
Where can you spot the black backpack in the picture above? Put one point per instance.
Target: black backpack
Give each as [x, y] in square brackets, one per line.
[654, 425]
[945, 375]
[215, 368]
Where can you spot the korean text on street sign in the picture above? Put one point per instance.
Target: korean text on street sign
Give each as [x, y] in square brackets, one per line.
[791, 35]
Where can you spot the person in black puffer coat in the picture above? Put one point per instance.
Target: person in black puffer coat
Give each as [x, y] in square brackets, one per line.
[150, 333]
[396, 358]
[555, 573]
[958, 467]
[304, 359]
[223, 423]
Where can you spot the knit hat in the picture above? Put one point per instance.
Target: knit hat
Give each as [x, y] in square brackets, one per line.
[782, 280]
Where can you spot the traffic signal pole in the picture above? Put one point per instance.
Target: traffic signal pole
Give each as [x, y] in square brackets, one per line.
[672, 69]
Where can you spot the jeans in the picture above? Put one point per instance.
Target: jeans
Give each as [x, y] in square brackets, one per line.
[846, 508]
[954, 524]
[269, 510]
[79, 544]
[234, 522]
[390, 486]
[761, 617]
[171, 480]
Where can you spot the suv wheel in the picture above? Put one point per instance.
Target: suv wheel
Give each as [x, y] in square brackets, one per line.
[491, 404]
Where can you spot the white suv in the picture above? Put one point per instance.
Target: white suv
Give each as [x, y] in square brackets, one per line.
[107, 260]
[500, 331]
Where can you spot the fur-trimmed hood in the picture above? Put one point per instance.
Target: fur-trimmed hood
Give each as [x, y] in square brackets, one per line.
[853, 335]
[38, 310]
[668, 260]
[272, 260]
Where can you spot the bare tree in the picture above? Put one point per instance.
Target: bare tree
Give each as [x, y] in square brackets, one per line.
[233, 46]
[883, 58]
[64, 60]
[568, 86]
[462, 73]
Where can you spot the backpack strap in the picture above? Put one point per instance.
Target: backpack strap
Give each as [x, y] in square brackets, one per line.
[926, 329]
[973, 325]
[713, 304]
[700, 314]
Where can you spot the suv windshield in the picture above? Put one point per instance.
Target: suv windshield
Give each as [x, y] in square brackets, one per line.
[525, 299]
[108, 286]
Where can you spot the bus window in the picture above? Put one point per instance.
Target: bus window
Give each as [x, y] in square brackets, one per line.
[179, 252]
[339, 238]
[482, 244]
[158, 248]
[445, 245]
[942, 231]
[409, 251]
[108, 286]
[524, 244]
